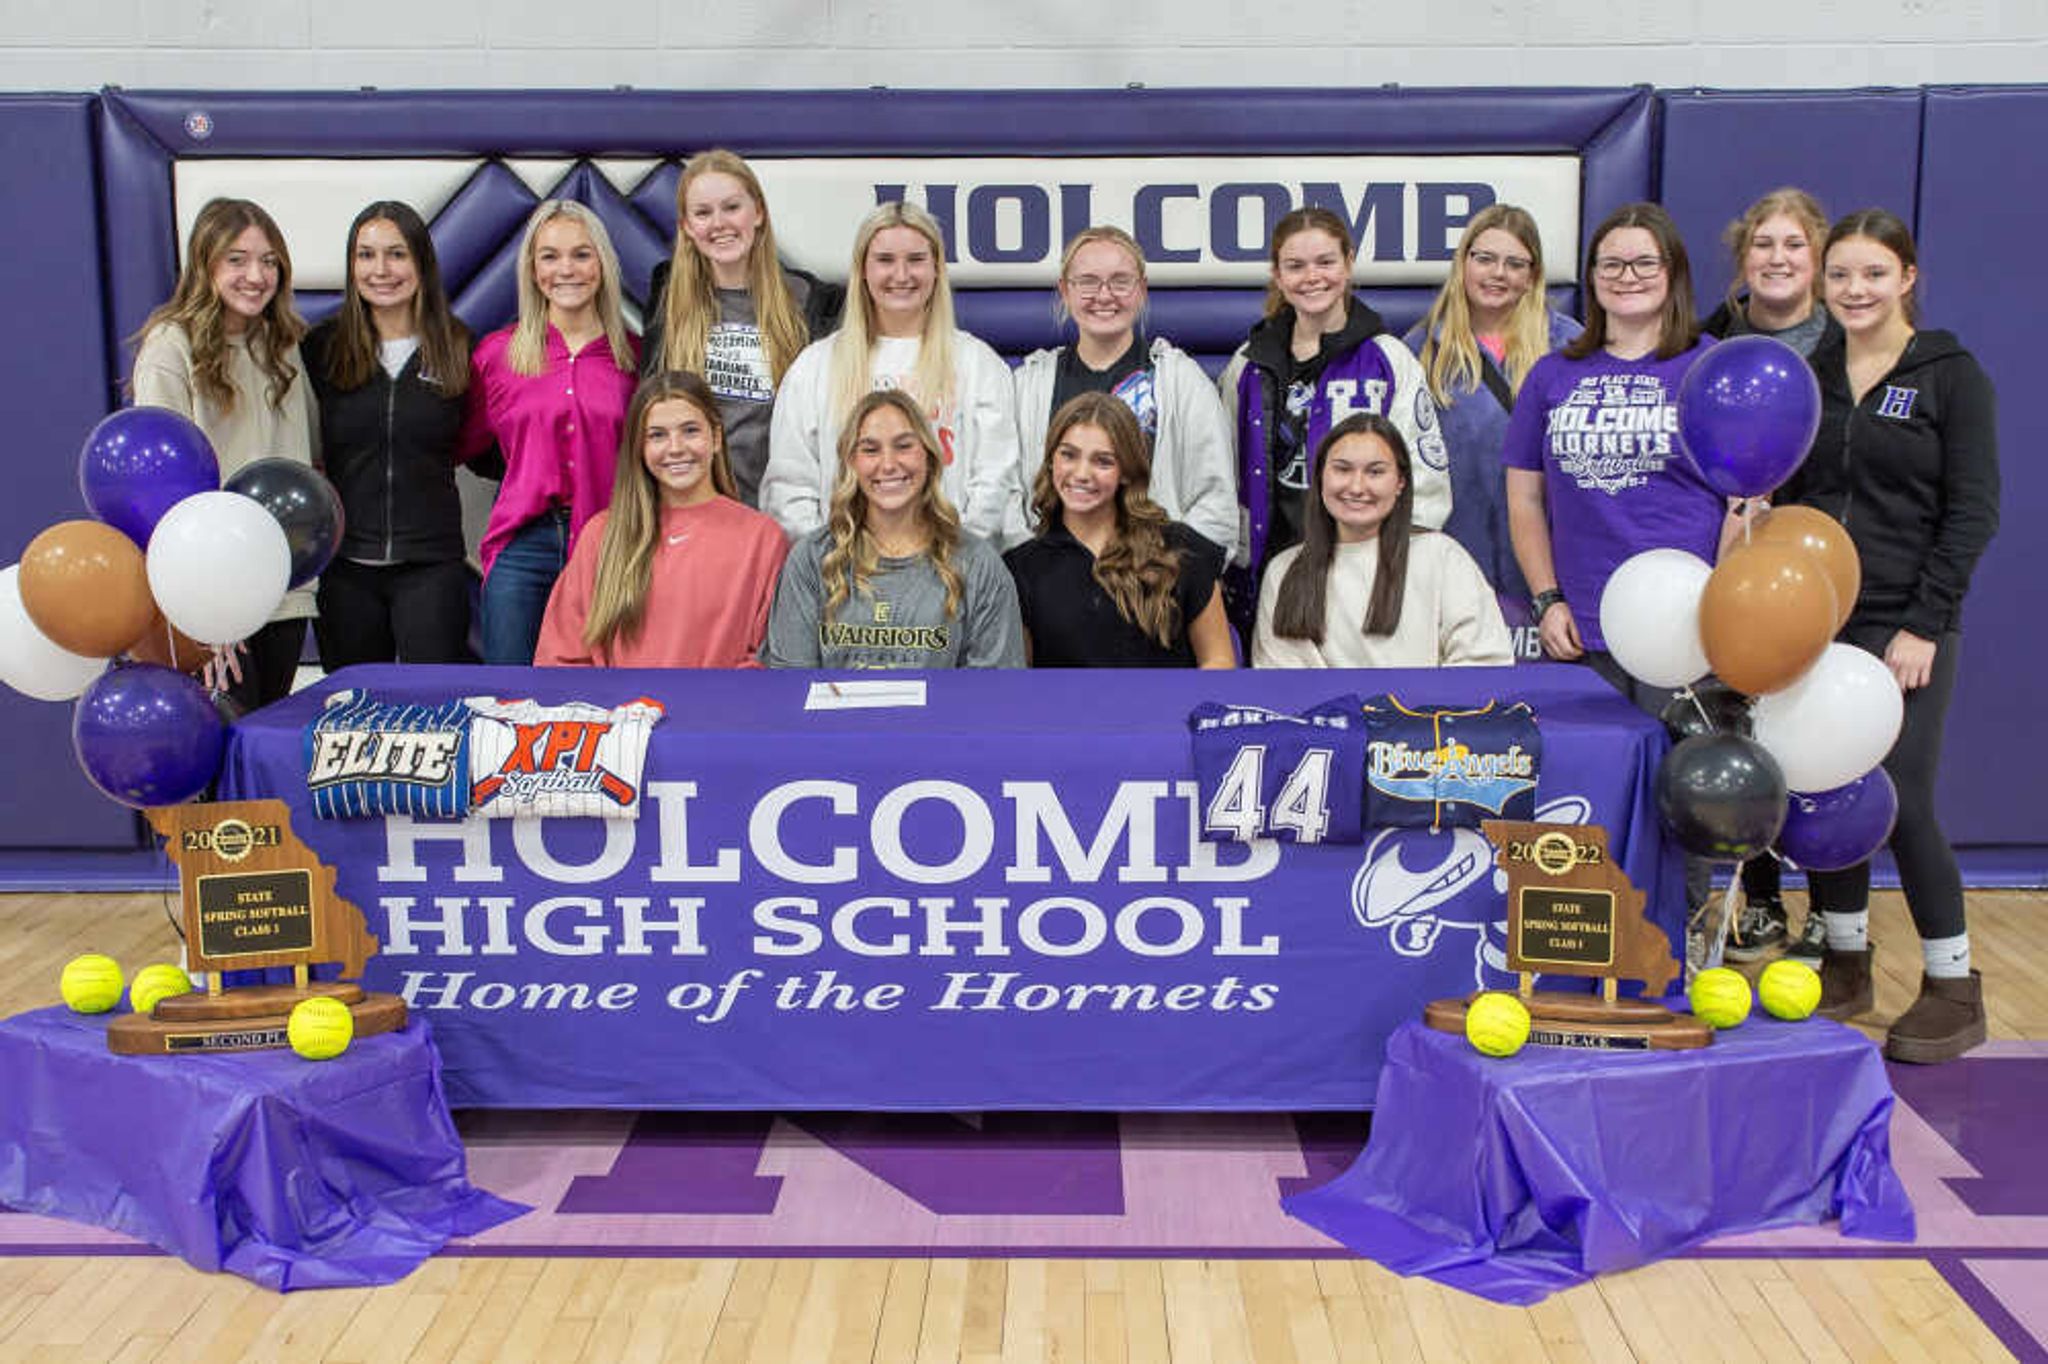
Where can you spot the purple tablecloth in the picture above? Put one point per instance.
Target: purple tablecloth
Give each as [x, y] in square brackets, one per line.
[1512, 1178]
[288, 1173]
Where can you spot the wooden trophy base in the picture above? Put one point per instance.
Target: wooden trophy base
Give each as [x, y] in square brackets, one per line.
[1588, 1022]
[250, 1019]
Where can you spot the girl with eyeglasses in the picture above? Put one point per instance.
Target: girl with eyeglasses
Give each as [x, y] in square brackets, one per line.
[1595, 473]
[224, 351]
[1318, 355]
[1102, 287]
[892, 579]
[1907, 459]
[898, 333]
[1488, 327]
[725, 307]
[1109, 580]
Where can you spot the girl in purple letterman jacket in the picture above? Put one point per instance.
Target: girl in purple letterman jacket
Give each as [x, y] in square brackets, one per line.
[1319, 355]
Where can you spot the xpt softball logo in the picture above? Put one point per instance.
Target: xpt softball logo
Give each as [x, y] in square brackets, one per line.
[1418, 886]
[573, 759]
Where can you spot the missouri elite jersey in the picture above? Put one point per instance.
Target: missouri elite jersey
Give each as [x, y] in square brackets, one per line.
[1267, 774]
[1432, 766]
[369, 757]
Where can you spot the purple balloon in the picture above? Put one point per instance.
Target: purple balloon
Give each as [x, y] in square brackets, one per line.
[1830, 830]
[147, 735]
[1747, 413]
[140, 462]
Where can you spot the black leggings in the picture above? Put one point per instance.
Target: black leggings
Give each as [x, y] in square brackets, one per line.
[269, 664]
[1927, 864]
[384, 613]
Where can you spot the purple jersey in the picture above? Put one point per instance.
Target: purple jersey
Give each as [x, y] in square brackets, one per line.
[1604, 434]
[1266, 774]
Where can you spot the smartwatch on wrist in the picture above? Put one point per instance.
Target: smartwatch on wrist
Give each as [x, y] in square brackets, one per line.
[1543, 601]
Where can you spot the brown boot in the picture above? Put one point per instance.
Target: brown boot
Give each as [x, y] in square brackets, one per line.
[1946, 1021]
[1845, 985]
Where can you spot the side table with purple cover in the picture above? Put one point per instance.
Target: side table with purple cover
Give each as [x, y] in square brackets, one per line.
[1514, 1177]
[289, 1173]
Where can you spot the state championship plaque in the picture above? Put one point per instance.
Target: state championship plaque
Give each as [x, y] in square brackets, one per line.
[254, 897]
[1573, 912]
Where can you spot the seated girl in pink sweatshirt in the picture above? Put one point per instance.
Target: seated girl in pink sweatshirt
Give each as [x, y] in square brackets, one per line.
[676, 573]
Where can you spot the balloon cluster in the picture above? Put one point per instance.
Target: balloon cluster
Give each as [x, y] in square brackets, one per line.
[174, 567]
[1781, 745]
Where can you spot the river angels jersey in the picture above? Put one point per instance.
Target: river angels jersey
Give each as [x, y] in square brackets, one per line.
[1437, 766]
[1267, 774]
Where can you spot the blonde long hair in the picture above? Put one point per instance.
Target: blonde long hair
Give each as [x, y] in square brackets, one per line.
[196, 307]
[932, 383]
[692, 303]
[625, 561]
[849, 565]
[528, 353]
[1138, 569]
[1450, 349]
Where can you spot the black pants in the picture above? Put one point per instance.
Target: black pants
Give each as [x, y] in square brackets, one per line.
[271, 659]
[1699, 873]
[384, 613]
[1927, 864]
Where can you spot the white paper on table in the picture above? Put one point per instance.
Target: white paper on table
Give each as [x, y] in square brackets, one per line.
[881, 694]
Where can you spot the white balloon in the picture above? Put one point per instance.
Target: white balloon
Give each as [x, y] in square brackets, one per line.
[218, 564]
[1650, 617]
[1835, 723]
[29, 663]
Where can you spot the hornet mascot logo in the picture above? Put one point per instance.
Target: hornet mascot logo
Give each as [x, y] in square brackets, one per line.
[1416, 885]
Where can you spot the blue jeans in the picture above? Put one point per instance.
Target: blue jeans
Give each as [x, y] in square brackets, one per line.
[516, 590]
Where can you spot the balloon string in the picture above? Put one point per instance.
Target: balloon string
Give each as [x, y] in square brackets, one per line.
[1699, 706]
[1717, 928]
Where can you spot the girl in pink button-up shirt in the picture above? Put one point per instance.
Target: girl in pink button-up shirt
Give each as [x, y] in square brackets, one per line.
[552, 391]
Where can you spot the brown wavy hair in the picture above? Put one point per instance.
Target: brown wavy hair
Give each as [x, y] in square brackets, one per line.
[632, 530]
[444, 341]
[1677, 328]
[1299, 611]
[691, 305]
[196, 307]
[849, 564]
[1138, 569]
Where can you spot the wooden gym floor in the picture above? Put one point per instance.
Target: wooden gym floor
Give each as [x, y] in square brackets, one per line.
[1892, 1306]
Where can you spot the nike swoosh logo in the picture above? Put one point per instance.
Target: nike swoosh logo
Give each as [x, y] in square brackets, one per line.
[678, 539]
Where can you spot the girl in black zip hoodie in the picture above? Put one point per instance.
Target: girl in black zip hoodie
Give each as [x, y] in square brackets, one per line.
[390, 369]
[1907, 459]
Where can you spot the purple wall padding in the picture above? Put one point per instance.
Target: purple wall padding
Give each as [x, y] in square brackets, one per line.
[57, 377]
[1981, 278]
[1723, 149]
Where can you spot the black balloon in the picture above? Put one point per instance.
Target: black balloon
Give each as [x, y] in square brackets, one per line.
[304, 503]
[1726, 711]
[1722, 796]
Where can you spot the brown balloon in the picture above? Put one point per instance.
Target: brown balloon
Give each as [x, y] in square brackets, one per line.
[84, 585]
[1822, 536]
[165, 644]
[1766, 616]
